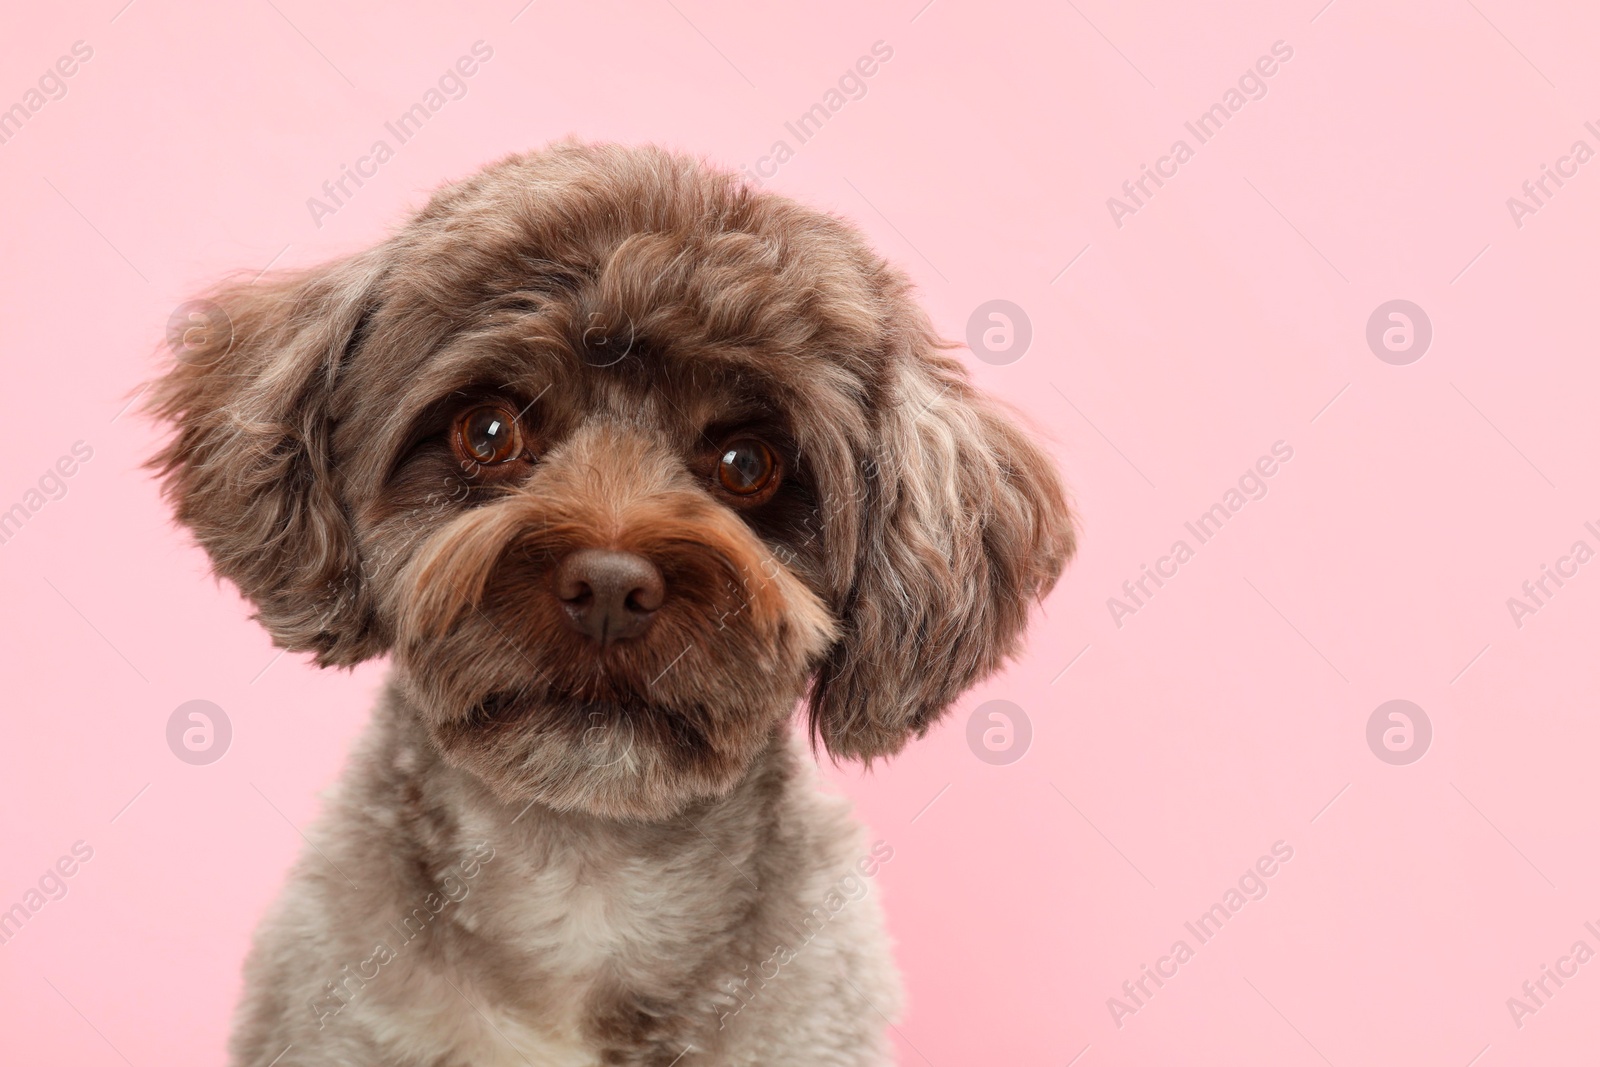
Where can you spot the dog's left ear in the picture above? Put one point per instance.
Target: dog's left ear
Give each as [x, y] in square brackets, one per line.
[964, 525]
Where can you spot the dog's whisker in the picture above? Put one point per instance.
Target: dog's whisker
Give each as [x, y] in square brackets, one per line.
[671, 665]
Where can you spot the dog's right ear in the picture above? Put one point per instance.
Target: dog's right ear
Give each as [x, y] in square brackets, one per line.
[248, 469]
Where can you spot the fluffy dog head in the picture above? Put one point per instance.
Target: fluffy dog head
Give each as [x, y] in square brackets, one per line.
[619, 459]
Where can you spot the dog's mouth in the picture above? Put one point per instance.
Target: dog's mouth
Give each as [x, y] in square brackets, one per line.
[636, 740]
[607, 729]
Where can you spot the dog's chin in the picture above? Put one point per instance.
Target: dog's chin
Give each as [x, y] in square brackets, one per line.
[614, 758]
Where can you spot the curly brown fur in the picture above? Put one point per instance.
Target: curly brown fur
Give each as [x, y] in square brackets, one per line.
[652, 829]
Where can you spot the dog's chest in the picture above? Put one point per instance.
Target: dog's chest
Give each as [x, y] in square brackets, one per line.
[580, 920]
[581, 932]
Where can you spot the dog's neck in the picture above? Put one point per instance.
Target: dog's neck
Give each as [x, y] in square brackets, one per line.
[441, 810]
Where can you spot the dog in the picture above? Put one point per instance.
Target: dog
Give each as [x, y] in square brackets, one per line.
[627, 466]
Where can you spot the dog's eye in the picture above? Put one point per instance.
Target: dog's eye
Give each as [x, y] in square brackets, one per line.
[747, 467]
[487, 435]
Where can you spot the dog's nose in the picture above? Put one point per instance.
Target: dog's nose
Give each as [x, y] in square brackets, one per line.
[608, 595]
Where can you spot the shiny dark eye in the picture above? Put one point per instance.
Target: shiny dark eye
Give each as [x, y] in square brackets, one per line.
[747, 467]
[487, 435]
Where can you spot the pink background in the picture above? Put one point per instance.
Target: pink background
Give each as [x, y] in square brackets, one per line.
[1227, 314]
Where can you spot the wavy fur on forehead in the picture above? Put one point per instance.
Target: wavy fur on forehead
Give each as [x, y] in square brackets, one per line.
[938, 522]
